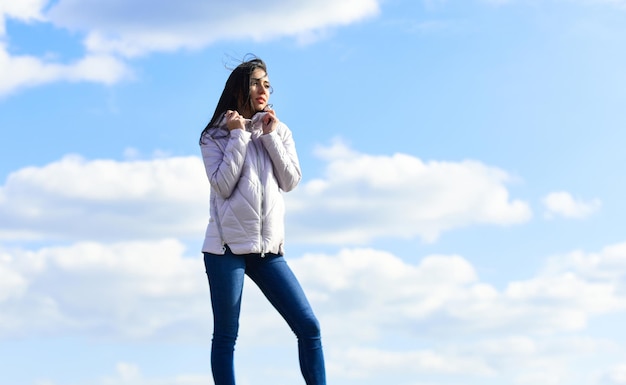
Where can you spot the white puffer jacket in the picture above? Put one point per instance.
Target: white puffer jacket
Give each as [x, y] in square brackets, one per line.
[247, 171]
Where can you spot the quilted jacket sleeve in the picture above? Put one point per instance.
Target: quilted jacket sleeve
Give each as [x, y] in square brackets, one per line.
[282, 150]
[224, 159]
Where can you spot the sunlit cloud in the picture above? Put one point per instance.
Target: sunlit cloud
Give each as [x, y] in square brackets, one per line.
[563, 204]
[105, 199]
[23, 71]
[142, 290]
[447, 288]
[142, 26]
[361, 197]
[154, 291]
[616, 375]
[114, 31]
[28, 71]
[353, 285]
[24, 10]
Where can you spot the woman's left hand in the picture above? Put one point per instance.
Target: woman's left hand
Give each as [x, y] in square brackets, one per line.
[270, 121]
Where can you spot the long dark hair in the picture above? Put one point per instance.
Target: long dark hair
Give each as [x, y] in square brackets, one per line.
[236, 93]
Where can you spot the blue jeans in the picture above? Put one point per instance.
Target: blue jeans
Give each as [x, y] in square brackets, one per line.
[281, 287]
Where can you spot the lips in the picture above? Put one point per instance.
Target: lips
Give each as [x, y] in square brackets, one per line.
[260, 100]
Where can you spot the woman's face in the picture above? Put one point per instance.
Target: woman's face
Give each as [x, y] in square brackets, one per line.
[259, 89]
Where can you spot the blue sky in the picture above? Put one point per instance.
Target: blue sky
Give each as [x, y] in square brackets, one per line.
[460, 220]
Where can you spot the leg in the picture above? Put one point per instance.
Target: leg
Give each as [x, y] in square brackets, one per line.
[282, 289]
[226, 276]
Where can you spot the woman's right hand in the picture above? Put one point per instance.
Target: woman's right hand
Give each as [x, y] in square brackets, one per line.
[235, 121]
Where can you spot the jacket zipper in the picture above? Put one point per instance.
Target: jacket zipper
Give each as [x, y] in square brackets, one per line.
[259, 154]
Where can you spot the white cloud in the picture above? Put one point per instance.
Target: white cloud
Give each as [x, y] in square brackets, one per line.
[608, 265]
[126, 290]
[564, 204]
[127, 373]
[369, 362]
[115, 29]
[17, 72]
[446, 289]
[142, 26]
[103, 199]
[616, 375]
[21, 71]
[437, 312]
[23, 10]
[12, 283]
[362, 197]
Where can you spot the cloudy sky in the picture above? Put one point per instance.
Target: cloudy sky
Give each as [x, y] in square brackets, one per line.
[460, 220]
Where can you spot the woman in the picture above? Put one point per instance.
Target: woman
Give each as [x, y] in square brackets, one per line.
[250, 158]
